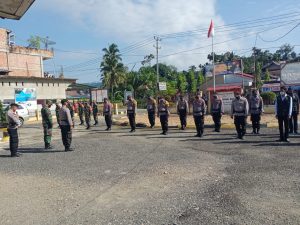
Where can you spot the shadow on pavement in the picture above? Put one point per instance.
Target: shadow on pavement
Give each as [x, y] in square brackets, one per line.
[37, 150]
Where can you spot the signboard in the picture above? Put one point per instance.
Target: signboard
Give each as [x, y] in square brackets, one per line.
[78, 94]
[98, 95]
[227, 98]
[162, 86]
[230, 67]
[26, 96]
[290, 74]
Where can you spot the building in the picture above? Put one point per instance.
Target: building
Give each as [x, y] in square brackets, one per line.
[21, 71]
[274, 69]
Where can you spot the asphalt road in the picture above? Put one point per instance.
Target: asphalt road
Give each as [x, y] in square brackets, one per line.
[145, 178]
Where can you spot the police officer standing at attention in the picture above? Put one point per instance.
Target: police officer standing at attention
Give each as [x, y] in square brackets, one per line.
[70, 107]
[87, 115]
[66, 125]
[163, 113]
[131, 112]
[151, 108]
[47, 123]
[283, 112]
[256, 109]
[217, 110]
[199, 110]
[239, 111]
[80, 112]
[12, 128]
[182, 111]
[293, 125]
[57, 108]
[107, 112]
[95, 112]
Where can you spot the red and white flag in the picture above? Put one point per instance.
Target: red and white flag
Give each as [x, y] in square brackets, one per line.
[211, 30]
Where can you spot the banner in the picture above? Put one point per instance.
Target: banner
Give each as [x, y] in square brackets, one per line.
[26, 96]
[230, 67]
[98, 95]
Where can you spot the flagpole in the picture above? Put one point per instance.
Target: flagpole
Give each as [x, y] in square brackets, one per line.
[213, 61]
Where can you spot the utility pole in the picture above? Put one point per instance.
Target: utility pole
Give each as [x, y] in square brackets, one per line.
[157, 39]
[255, 75]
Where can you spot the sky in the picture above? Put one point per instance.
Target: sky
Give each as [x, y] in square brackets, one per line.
[81, 29]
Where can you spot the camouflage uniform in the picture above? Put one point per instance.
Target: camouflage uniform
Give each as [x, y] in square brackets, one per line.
[95, 112]
[47, 124]
[80, 113]
[87, 116]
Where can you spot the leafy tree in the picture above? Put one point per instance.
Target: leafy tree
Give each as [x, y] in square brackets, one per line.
[268, 97]
[181, 83]
[200, 79]
[267, 76]
[191, 82]
[2, 114]
[258, 75]
[34, 42]
[112, 68]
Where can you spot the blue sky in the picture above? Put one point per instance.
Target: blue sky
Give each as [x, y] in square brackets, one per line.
[82, 28]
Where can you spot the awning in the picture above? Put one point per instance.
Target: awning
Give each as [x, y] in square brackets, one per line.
[14, 9]
[225, 88]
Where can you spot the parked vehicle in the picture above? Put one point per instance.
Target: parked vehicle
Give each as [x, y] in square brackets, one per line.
[23, 113]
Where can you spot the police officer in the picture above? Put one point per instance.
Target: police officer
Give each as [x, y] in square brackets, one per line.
[57, 108]
[182, 111]
[163, 113]
[71, 108]
[66, 125]
[131, 112]
[239, 111]
[256, 109]
[87, 115]
[293, 123]
[12, 128]
[283, 112]
[95, 112]
[47, 123]
[107, 112]
[151, 108]
[80, 112]
[199, 110]
[217, 110]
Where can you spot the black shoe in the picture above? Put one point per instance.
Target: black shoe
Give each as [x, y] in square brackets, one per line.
[287, 141]
[151, 126]
[218, 131]
[197, 135]
[16, 155]
[48, 147]
[69, 149]
[88, 128]
[280, 140]
[132, 131]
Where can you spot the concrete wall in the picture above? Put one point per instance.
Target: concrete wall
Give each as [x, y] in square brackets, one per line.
[48, 89]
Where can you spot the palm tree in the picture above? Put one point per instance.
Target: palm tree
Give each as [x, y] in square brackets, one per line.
[112, 68]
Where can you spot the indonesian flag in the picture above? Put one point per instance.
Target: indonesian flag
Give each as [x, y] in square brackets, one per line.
[211, 30]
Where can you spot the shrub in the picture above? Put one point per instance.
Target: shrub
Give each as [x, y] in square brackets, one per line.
[268, 97]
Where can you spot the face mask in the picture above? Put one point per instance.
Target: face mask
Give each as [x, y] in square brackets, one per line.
[282, 93]
[237, 97]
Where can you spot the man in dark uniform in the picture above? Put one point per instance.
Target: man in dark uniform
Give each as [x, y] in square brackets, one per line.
[47, 123]
[80, 112]
[107, 112]
[87, 115]
[217, 110]
[256, 109]
[66, 125]
[131, 112]
[239, 111]
[95, 112]
[12, 128]
[163, 113]
[71, 108]
[151, 108]
[57, 108]
[293, 123]
[283, 112]
[182, 111]
[199, 110]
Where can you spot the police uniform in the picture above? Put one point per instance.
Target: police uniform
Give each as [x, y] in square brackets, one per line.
[293, 125]
[107, 112]
[151, 108]
[163, 113]
[217, 109]
[256, 109]
[131, 113]
[80, 113]
[182, 111]
[12, 128]
[95, 113]
[66, 125]
[87, 116]
[199, 110]
[239, 110]
[283, 110]
[47, 125]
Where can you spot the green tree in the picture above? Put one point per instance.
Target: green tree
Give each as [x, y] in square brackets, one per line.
[267, 76]
[181, 82]
[112, 68]
[2, 115]
[258, 75]
[34, 42]
[200, 79]
[191, 82]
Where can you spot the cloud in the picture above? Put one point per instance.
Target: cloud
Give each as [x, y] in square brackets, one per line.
[129, 21]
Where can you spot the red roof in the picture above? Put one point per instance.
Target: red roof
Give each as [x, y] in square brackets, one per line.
[224, 88]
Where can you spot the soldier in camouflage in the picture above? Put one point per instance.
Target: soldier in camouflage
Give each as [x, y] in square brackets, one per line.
[47, 123]
[87, 115]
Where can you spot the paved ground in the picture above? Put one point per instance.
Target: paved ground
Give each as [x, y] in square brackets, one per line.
[145, 178]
